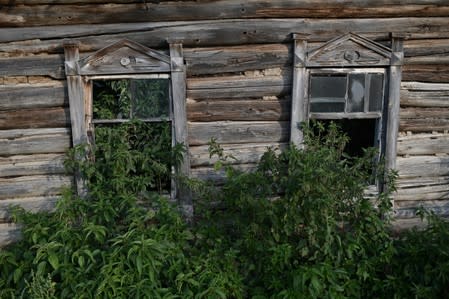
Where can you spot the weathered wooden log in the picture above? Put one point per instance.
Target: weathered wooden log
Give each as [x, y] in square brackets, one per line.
[435, 192]
[9, 233]
[215, 32]
[424, 125]
[238, 132]
[30, 186]
[53, 117]
[423, 166]
[238, 87]
[88, 13]
[426, 72]
[49, 65]
[410, 213]
[410, 204]
[32, 96]
[23, 165]
[235, 153]
[425, 98]
[217, 176]
[238, 58]
[258, 110]
[424, 113]
[31, 204]
[34, 141]
[423, 144]
[399, 225]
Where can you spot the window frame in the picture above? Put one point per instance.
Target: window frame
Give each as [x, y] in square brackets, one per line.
[122, 60]
[340, 55]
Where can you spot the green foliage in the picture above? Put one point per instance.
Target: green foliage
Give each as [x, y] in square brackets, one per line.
[299, 226]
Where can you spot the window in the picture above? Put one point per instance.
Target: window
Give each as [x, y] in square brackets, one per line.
[353, 81]
[127, 83]
[144, 100]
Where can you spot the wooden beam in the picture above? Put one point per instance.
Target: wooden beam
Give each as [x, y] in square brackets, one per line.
[426, 73]
[238, 153]
[423, 166]
[31, 204]
[88, 13]
[423, 144]
[34, 141]
[32, 165]
[33, 96]
[238, 132]
[49, 65]
[29, 186]
[235, 110]
[52, 117]
[216, 32]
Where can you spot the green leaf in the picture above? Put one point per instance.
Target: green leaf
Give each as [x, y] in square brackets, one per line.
[53, 260]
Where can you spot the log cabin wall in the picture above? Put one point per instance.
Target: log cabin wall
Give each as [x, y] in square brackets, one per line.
[239, 80]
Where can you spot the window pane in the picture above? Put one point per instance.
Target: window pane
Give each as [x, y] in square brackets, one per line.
[376, 92]
[356, 93]
[327, 93]
[150, 98]
[111, 99]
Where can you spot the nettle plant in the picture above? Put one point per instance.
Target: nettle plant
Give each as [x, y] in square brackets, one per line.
[299, 226]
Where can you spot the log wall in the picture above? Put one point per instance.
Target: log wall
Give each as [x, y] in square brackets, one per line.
[239, 80]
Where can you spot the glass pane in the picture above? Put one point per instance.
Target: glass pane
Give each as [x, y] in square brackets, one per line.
[327, 107]
[376, 92]
[327, 93]
[150, 98]
[356, 93]
[111, 99]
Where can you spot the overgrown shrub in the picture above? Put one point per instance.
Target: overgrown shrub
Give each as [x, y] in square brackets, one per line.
[299, 226]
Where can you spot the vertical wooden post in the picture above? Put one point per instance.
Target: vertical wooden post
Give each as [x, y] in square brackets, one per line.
[178, 82]
[299, 107]
[395, 76]
[76, 102]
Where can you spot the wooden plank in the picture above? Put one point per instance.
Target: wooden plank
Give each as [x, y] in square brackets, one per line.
[31, 204]
[421, 203]
[235, 110]
[30, 186]
[238, 132]
[53, 117]
[422, 166]
[409, 213]
[32, 96]
[238, 87]
[423, 144]
[9, 233]
[435, 192]
[22, 165]
[217, 176]
[399, 225]
[425, 98]
[424, 113]
[422, 86]
[34, 141]
[39, 65]
[215, 32]
[426, 73]
[424, 125]
[214, 60]
[88, 13]
[238, 153]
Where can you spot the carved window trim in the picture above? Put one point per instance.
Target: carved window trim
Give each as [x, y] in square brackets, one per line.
[125, 59]
[342, 54]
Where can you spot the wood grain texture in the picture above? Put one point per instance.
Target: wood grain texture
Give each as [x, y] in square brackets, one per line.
[426, 73]
[216, 32]
[423, 166]
[31, 96]
[9, 233]
[34, 141]
[30, 186]
[423, 144]
[34, 118]
[31, 204]
[238, 110]
[98, 13]
[23, 165]
[49, 65]
[237, 153]
[238, 132]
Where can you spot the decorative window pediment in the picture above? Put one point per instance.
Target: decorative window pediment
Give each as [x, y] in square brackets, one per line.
[124, 57]
[349, 50]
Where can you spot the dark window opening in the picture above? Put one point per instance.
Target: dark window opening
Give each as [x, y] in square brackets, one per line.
[361, 134]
